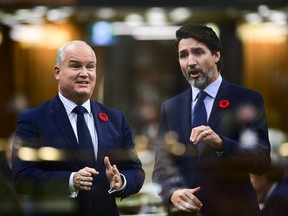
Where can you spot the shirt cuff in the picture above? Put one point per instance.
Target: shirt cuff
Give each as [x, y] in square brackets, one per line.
[73, 191]
[120, 189]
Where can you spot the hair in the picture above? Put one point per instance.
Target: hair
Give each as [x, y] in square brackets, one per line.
[203, 34]
[60, 56]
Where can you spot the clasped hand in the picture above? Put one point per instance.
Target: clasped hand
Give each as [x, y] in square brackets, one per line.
[83, 179]
[185, 200]
[207, 135]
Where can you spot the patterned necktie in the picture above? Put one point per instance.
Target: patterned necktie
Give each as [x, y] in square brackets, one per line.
[84, 138]
[199, 113]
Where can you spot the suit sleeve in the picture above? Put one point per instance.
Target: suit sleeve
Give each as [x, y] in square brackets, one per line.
[165, 173]
[127, 161]
[28, 175]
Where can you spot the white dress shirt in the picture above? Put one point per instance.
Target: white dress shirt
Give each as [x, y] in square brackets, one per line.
[211, 91]
[69, 106]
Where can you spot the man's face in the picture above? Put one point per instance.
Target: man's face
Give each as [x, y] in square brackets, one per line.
[197, 63]
[77, 76]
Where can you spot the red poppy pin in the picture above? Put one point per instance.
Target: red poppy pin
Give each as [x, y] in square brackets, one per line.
[103, 117]
[223, 104]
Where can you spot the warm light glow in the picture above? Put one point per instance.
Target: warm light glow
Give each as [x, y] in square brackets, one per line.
[180, 14]
[134, 19]
[1, 37]
[27, 154]
[265, 32]
[156, 16]
[154, 32]
[50, 154]
[105, 13]
[40, 35]
[172, 144]
[141, 142]
[44, 153]
[253, 18]
[284, 150]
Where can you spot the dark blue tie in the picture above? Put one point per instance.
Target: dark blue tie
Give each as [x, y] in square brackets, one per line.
[84, 138]
[199, 113]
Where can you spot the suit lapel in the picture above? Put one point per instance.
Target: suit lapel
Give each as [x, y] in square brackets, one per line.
[101, 128]
[183, 115]
[59, 115]
[217, 113]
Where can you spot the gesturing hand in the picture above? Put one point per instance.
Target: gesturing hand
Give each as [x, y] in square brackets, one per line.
[186, 201]
[206, 134]
[113, 175]
[83, 178]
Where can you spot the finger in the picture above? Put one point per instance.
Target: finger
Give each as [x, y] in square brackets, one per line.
[115, 170]
[185, 206]
[85, 186]
[107, 163]
[195, 132]
[206, 133]
[200, 133]
[193, 197]
[85, 183]
[87, 171]
[84, 175]
[182, 208]
[195, 190]
[116, 182]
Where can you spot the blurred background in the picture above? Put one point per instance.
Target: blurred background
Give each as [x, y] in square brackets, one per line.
[137, 68]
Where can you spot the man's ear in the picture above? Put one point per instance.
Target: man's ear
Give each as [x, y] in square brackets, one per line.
[217, 56]
[57, 72]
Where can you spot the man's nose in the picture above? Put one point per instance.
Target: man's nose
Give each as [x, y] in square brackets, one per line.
[191, 61]
[84, 72]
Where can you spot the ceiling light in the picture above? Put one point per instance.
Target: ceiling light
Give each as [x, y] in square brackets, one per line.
[180, 14]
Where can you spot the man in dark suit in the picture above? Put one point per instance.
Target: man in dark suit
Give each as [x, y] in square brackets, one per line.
[50, 158]
[203, 168]
[272, 187]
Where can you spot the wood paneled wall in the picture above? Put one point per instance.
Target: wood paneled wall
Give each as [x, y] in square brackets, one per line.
[28, 78]
[266, 70]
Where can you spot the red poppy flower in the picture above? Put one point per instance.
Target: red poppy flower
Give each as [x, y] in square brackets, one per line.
[103, 117]
[223, 104]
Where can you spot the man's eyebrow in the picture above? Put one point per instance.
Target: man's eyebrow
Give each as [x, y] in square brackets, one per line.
[192, 48]
[197, 48]
[183, 50]
[74, 61]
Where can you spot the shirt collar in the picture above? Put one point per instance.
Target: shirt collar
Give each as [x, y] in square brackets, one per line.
[70, 105]
[211, 89]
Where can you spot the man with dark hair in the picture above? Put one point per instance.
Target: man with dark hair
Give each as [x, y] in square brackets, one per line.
[211, 136]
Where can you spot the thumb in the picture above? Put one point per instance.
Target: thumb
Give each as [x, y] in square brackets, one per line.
[195, 190]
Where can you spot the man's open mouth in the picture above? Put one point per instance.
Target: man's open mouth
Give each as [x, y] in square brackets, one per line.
[83, 82]
[194, 73]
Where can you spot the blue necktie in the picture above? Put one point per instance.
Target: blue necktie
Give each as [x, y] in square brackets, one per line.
[87, 156]
[199, 113]
[199, 117]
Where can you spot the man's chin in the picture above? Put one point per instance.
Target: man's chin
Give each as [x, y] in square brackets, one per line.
[84, 94]
[199, 83]
[191, 82]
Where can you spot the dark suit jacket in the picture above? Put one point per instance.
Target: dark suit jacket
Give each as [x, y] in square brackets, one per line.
[276, 204]
[46, 181]
[224, 181]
